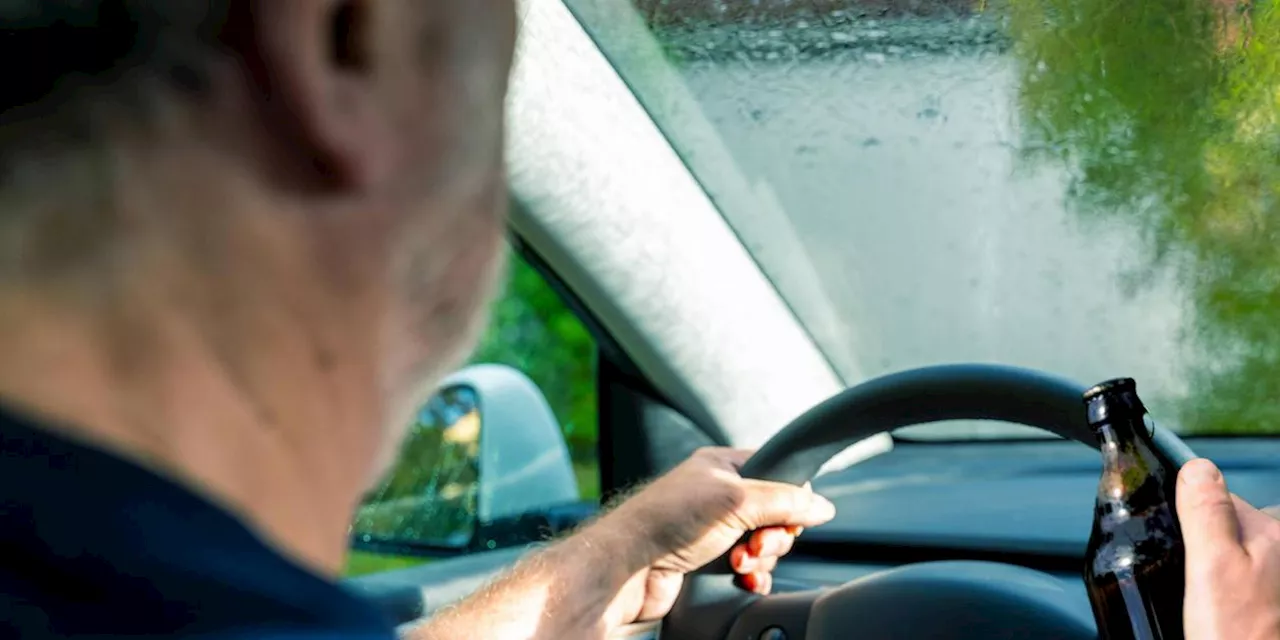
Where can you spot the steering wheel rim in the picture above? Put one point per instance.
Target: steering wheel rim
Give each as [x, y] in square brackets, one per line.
[919, 396]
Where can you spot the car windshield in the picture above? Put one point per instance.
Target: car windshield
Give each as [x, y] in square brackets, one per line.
[1085, 187]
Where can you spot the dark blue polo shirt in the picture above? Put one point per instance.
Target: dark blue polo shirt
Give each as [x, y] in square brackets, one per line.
[93, 546]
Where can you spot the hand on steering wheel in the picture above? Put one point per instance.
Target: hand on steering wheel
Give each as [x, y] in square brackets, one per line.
[697, 513]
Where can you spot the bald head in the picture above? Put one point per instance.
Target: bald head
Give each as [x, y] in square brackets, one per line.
[302, 199]
[384, 114]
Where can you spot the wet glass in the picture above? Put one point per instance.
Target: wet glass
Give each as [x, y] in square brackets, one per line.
[430, 496]
[1086, 187]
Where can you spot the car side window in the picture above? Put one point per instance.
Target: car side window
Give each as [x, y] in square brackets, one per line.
[459, 484]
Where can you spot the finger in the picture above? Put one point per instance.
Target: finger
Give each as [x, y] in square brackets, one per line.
[742, 561]
[1256, 525]
[661, 590]
[772, 541]
[1207, 513]
[769, 504]
[1273, 511]
[766, 564]
[758, 582]
[764, 583]
[1249, 516]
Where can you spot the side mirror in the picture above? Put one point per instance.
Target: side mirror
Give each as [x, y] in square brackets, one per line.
[484, 460]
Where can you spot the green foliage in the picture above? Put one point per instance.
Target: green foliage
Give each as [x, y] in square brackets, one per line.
[533, 331]
[361, 563]
[1166, 112]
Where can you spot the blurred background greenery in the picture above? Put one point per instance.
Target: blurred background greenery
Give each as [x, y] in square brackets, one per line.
[1166, 112]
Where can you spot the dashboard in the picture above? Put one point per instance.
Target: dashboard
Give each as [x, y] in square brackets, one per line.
[1027, 503]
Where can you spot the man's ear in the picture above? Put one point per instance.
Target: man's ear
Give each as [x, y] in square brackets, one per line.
[310, 62]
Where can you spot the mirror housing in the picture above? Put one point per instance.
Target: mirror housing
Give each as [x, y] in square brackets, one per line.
[524, 462]
[484, 466]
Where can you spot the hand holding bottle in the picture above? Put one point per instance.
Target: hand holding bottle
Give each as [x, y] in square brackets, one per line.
[1233, 560]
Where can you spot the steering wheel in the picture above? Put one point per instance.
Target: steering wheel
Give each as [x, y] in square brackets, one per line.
[936, 600]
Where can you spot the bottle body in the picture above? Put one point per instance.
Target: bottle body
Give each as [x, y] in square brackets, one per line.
[1135, 562]
[1135, 578]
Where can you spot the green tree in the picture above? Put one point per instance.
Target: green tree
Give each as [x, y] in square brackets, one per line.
[532, 330]
[1165, 112]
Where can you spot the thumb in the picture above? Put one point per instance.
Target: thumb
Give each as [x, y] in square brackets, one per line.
[1206, 512]
[776, 504]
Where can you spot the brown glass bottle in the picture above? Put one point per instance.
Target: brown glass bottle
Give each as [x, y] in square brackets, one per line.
[1134, 564]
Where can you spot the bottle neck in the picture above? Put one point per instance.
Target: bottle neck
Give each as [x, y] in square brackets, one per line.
[1113, 435]
[1130, 468]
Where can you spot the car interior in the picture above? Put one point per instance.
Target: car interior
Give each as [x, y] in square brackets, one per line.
[887, 245]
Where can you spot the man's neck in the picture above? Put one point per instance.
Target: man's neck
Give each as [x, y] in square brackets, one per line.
[147, 387]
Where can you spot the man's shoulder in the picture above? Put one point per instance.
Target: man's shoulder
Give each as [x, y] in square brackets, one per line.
[264, 632]
[84, 605]
[95, 546]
